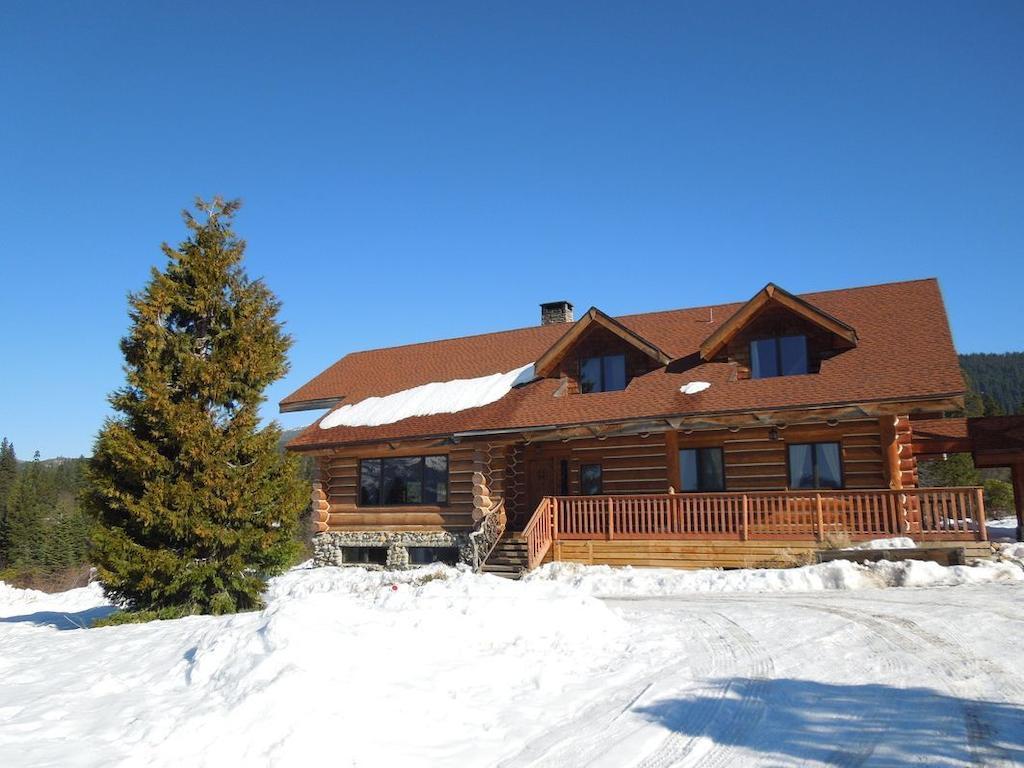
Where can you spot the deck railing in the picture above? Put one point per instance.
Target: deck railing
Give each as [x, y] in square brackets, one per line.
[540, 532]
[921, 513]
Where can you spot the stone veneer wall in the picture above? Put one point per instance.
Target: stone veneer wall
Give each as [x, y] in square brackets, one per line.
[327, 547]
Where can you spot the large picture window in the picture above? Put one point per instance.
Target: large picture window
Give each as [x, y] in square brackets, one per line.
[403, 480]
[815, 465]
[602, 374]
[778, 356]
[701, 470]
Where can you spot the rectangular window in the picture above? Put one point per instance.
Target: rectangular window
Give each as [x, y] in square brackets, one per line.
[815, 465]
[403, 480]
[701, 470]
[603, 374]
[364, 555]
[778, 356]
[590, 479]
[428, 555]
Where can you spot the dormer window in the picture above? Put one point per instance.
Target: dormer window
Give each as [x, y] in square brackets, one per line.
[606, 373]
[778, 356]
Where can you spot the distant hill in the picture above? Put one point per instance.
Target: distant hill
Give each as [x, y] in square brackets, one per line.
[1000, 376]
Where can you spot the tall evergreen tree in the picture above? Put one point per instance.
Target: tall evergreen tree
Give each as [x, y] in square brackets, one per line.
[991, 406]
[195, 505]
[8, 474]
[30, 501]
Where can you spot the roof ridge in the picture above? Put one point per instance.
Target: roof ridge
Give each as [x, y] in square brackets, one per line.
[801, 295]
[616, 317]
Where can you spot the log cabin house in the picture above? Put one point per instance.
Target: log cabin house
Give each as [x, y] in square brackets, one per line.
[724, 436]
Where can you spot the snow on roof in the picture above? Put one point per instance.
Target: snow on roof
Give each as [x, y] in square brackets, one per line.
[693, 387]
[428, 399]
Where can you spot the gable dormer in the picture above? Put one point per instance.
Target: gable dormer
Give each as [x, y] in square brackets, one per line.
[599, 354]
[778, 334]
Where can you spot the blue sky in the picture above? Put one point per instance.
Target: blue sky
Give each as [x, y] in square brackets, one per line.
[416, 170]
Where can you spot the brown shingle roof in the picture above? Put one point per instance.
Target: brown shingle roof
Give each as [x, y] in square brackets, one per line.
[904, 351]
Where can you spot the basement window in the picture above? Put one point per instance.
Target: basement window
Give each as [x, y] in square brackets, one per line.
[428, 555]
[364, 555]
[778, 356]
[606, 373]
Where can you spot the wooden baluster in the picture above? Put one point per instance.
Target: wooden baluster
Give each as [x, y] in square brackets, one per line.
[819, 517]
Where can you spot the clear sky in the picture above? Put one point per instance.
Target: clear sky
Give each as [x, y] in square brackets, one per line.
[419, 170]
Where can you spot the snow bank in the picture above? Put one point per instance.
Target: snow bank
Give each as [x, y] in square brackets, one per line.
[428, 399]
[356, 667]
[16, 602]
[897, 542]
[605, 581]
[1013, 552]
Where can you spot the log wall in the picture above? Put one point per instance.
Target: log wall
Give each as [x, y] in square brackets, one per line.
[336, 493]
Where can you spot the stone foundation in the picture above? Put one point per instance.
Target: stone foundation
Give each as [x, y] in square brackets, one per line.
[327, 547]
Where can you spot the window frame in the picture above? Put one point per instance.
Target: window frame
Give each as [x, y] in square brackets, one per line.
[778, 355]
[602, 358]
[699, 451]
[422, 476]
[814, 463]
[600, 479]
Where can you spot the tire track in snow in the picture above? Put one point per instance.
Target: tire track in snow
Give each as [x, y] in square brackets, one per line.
[747, 714]
[589, 735]
[942, 652]
[593, 730]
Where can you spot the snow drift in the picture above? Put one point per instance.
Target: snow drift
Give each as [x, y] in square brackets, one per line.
[605, 581]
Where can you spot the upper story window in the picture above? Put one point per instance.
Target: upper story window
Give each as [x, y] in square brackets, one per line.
[701, 470]
[403, 480]
[778, 356]
[606, 373]
[815, 465]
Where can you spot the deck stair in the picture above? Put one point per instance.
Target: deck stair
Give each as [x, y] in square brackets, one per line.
[509, 558]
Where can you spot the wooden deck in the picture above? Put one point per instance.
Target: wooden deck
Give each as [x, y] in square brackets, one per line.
[642, 529]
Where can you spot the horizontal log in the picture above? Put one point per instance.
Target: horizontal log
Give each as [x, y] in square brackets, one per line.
[402, 528]
[396, 519]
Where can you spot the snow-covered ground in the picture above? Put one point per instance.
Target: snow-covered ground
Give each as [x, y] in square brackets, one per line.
[1002, 529]
[824, 665]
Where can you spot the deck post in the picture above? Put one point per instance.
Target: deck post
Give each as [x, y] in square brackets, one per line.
[979, 513]
[745, 533]
[611, 519]
[820, 519]
[1017, 475]
[554, 518]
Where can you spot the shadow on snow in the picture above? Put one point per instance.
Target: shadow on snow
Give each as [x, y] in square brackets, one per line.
[798, 721]
[62, 619]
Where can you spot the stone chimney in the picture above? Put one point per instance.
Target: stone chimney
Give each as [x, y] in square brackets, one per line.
[555, 312]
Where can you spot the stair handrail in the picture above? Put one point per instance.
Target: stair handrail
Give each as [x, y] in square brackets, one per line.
[539, 534]
[490, 529]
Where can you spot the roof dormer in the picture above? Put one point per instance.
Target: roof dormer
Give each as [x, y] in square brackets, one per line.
[778, 334]
[599, 354]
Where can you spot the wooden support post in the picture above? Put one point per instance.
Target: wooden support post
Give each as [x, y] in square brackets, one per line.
[672, 459]
[819, 517]
[979, 513]
[891, 450]
[1017, 474]
[554, 519]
